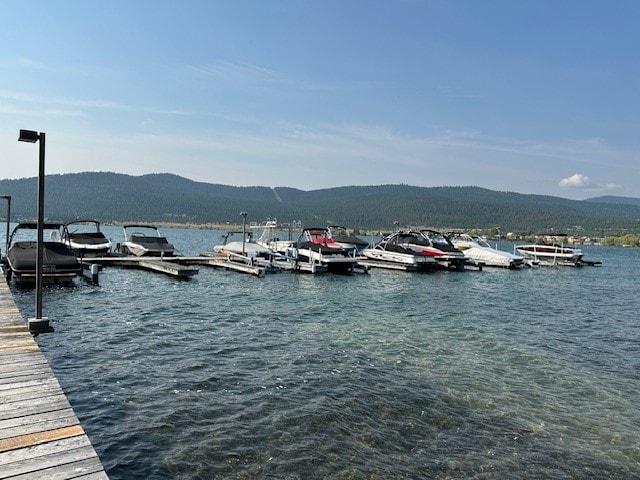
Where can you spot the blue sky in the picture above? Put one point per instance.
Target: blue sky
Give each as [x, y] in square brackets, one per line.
[528, 96]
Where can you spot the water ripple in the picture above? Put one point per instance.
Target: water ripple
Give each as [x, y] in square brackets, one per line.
[495, 374]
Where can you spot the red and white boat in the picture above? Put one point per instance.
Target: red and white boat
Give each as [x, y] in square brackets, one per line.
[396, 251]
[341, 235]
[315, 246]
[438, 245]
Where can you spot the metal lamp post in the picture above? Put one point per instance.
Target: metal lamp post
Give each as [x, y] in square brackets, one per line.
[244, 226]
[6, 243]
[38, 324]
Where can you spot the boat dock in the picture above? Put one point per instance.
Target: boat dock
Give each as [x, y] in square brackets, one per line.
[182, 267]
[177, 267]
[406, 267]
[40, 435]
[168, 265]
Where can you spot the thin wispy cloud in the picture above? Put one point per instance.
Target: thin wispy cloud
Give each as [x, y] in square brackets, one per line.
[177, 112]
[371, 154]
[44, 100]
[446, 96]
[10, 109]
[238, 72]
[22, 63]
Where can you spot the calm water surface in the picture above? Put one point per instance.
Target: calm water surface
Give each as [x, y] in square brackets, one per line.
[493, 374]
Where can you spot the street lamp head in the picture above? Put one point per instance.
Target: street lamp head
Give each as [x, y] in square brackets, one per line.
[244, 214]
[28, 136]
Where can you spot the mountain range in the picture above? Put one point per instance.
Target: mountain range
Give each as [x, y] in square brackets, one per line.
[160, 198]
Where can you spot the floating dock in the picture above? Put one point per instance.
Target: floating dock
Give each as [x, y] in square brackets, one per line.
[168, 265]
[179, 267]
[405, 267]
[562, 263]
[40, 435]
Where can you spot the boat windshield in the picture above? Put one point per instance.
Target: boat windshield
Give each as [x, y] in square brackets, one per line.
[483, 243]
[82, 227]
[140, 231]
[337, 231]
[29, 233]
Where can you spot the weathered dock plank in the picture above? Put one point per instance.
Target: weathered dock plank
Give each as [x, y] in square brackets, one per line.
[64, 458]
[40, 435]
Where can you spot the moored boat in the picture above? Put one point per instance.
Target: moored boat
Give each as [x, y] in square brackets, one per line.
[480, 251]
[341, 236]
[393, 251]
[246, 247]
[549, 250]
[438, 245]
[273, 234]
[315, 246]
[145, 240]
[85, 238]
[59, 263]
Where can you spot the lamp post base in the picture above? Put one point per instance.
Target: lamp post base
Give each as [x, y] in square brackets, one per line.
[39, 325]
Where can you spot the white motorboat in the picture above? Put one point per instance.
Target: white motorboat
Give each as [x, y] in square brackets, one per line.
[394, 251]
[315, 246]
[245, 248]
[272, 236]
[85, 238]
[480, 251]
[145, 240]
[548, 252]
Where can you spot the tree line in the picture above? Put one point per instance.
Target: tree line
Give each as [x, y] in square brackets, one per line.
[111, 197]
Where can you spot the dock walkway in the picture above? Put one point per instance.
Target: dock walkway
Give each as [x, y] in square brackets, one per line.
[40, 435]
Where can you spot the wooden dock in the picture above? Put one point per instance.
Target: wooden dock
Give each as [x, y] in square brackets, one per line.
[40, 435]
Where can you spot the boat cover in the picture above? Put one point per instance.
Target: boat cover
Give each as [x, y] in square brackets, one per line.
[153, 244]
[57, 258]
[88, 238]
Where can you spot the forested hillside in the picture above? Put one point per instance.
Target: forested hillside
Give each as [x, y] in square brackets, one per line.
[616, 200]
[111, 197]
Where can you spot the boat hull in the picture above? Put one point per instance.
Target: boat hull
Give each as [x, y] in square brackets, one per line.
[492, 258]
[148, 247]
[420, 262]
[550, 254]
[249, 249]
[59, 263]
[335, 260]
[89, 247]
[85, 238]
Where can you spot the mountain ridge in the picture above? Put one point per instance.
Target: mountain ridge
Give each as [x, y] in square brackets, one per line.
[615, 200]
[165, 197]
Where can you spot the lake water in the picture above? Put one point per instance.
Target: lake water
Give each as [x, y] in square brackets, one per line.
[493, 374]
